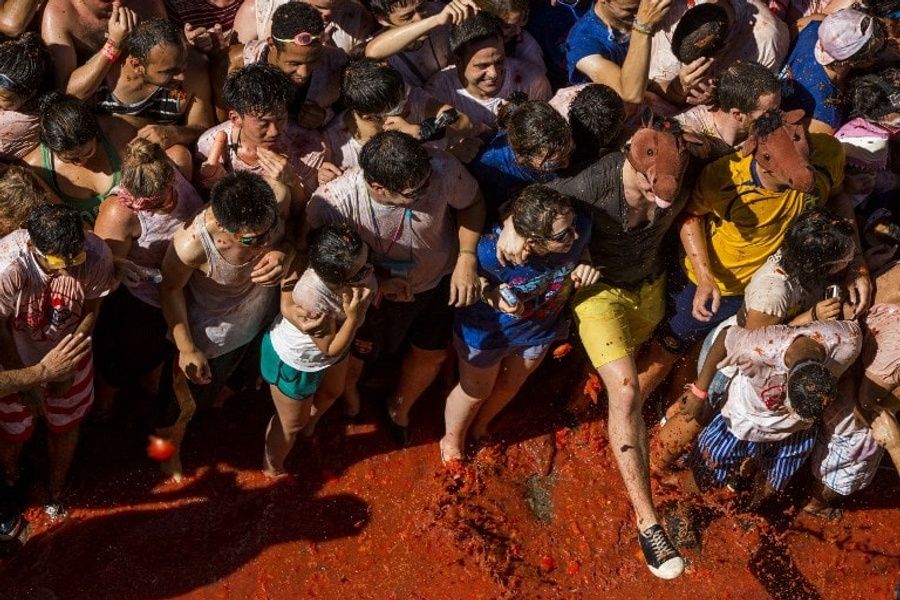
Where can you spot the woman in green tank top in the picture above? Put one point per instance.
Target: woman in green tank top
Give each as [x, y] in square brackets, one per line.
[77, 160]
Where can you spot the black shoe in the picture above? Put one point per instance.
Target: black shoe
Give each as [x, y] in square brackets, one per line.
[663, 559]
[11, 525]
[399, 433]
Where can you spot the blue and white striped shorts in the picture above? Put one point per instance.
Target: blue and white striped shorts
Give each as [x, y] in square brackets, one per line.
[718, 455]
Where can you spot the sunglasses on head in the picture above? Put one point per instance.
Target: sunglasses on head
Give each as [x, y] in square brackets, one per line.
[55, 262]
[301, 39]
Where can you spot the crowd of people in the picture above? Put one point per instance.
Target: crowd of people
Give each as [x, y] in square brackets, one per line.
[197, 193]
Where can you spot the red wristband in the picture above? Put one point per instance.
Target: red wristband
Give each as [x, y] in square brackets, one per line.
[698, 392]
[110, 51]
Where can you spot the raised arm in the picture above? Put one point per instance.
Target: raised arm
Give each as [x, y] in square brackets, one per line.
[395, 39]
[85, 80]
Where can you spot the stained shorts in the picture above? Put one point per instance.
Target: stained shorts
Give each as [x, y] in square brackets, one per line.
[614, 322]
[289, 381]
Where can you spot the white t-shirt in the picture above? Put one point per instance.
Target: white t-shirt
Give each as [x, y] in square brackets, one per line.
[699, 120]
[754, 410]
[43, 307]
[296, 348]
[518, 77]
[756, 36]
[420, 242]
[773, 292]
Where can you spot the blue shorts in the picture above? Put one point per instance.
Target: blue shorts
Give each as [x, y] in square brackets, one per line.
[484, 358]
[681, 329]
[718, 455]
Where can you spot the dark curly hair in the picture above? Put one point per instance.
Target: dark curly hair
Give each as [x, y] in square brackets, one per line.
[814, 240]
[257, 89]
[56, 229]
[534, 129]
[332, 249]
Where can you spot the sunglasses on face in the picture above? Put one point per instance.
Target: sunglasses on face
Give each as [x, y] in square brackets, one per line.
[259, 238]
[362, 275]
[562, 236]
[301, 39]
[55, 262]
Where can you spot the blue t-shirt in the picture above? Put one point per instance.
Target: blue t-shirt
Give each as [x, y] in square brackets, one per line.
[550, 26]
[543, 284]
[592, 36]
[804, 83]
[500, 176]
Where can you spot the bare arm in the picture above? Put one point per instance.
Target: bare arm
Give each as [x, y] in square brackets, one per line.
[15, 16]
[395, 39]
[85, 80]
[464, 284]
[61, 45]
[245, 22]
[693, 239]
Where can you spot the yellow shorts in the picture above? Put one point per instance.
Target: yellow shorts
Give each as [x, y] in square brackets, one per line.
[614, 322]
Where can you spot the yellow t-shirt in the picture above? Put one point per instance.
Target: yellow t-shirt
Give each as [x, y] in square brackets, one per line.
[746, 223]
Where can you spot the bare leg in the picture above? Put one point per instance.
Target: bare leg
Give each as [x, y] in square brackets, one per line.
[420, 367]
[474, 387]
[61, 451]
[628, 436]
[175, 433]
[654, 365]
[685, 420]
[352, 398]
[330, 389]
[821, 502]
[289, 418]
[514, 370]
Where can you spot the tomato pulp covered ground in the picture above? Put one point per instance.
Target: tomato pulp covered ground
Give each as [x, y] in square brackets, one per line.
[540, 513]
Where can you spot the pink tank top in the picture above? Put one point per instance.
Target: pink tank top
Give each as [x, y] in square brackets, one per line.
[225, 309]
[157, 230]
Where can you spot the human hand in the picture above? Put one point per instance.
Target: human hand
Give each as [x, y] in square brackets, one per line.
[277, 166]
[269, 269]
[214, 39]
[693, 74]
[457, 11]
[511, 247]
[464, 286]
[122, 21]
[703, 93]
[354, 300]
[651, 12]
[706, 300]
[195, 366]
[212, 168]
[62, 360]
[398, 123]
[328, 172]
[829, 309]
[585, 275]
[859, 290]
[129, 273]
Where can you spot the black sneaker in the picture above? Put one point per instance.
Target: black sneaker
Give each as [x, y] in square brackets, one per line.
[663, 559]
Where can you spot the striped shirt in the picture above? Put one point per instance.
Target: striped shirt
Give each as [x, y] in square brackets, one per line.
[164, 106]
[202, 13]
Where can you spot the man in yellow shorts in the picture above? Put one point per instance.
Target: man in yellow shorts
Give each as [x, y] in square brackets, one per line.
[634, 197]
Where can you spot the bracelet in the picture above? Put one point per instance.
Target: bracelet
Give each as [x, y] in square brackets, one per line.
[467, 251]
[641, 27]
[110, 51]
[698, 392]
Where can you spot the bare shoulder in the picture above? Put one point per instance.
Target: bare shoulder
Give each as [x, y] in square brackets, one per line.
[188, 246]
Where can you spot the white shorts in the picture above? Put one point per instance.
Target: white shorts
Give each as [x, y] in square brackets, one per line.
[846, 456]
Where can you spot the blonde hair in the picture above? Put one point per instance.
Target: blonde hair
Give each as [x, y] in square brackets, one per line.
[146, 170]
[20, 193]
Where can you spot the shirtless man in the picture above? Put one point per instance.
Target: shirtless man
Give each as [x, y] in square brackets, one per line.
[16, 16]
[155, 86]
[76, 29]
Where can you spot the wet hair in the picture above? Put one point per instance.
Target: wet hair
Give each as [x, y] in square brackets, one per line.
[152, 33]
[332, 251]
[742, 84]
[883, 8]
[257, 89]
[477, 28]
[534, 129]
[596, 116]
[293, 18]
[814, 240]
[56, 229]
[875, 43]
[811, 388]
[869, 96]
[384, 8]
[146, 170]
[66, 122]
[20, 193]
[243, 200]
[394, 160]
[535, 209]
[701, 32]
[501, 8]
[27, 62]
[371, 88]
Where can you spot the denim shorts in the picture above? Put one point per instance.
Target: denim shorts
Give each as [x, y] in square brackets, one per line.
[483, 358]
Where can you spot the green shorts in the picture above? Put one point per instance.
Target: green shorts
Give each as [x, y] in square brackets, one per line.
[289, 381]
